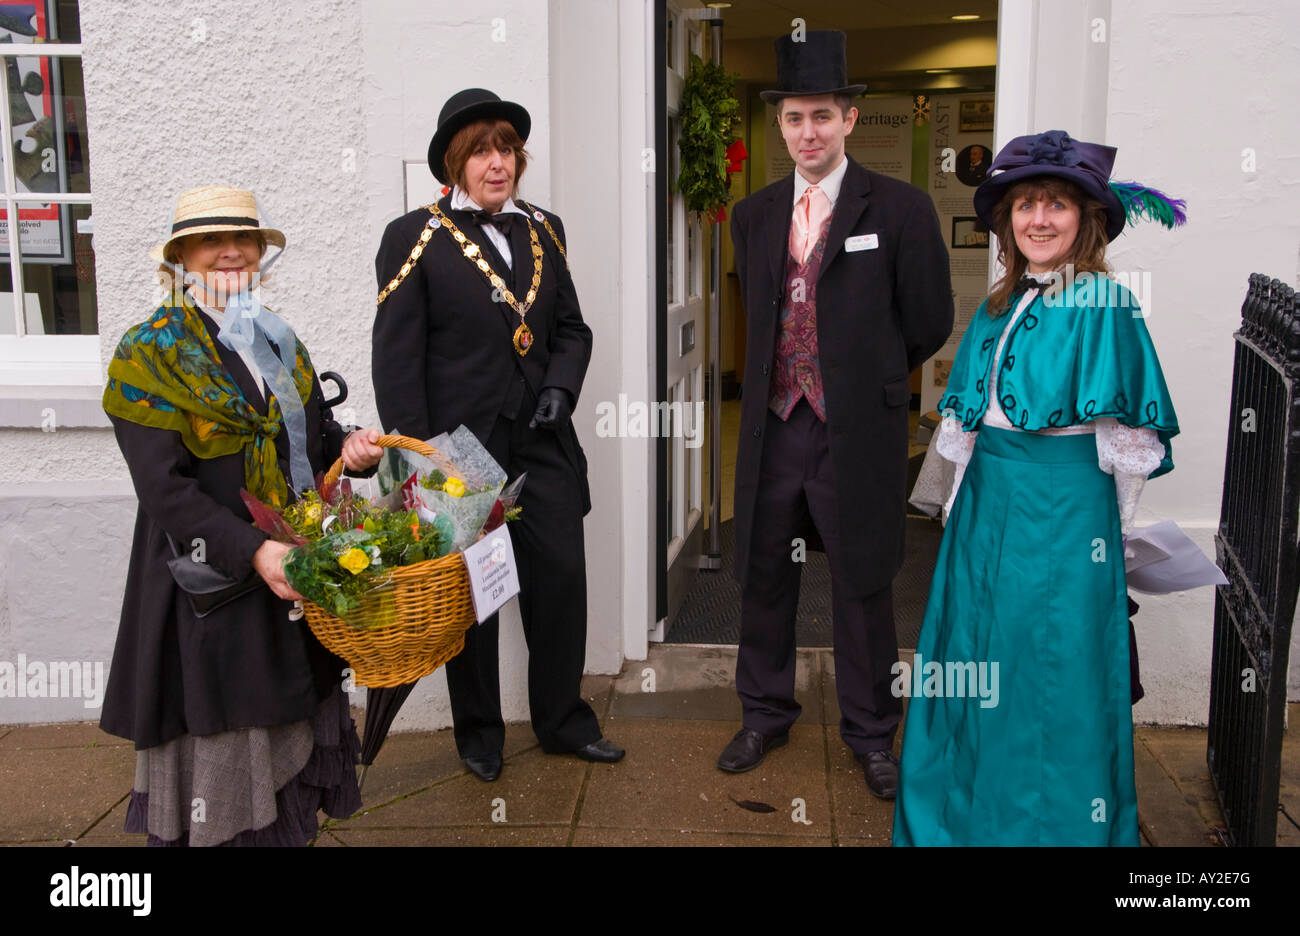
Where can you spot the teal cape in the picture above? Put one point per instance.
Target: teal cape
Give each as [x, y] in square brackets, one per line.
[1081, 355]
[1019, 727]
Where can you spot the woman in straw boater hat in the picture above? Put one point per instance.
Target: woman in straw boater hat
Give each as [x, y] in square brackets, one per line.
[240, 727]
[1019, 730]
[478, 325]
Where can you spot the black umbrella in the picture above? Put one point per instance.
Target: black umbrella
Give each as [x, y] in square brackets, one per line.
[382, 706]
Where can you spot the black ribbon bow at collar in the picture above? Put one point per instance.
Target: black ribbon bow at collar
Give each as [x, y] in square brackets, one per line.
[1031, 281]
[502, 220]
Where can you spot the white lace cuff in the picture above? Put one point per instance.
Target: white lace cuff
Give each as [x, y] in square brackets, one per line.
[1128, 488]
[953, 443]
[958, 469]
[1122, 449]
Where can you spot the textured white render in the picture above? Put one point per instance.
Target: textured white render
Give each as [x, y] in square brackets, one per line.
[1192, 84]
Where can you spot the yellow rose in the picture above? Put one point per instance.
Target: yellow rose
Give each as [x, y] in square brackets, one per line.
[455, 487]
[354, 560]
[313, 514]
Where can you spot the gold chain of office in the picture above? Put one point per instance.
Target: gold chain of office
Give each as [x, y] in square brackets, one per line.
[523, 336]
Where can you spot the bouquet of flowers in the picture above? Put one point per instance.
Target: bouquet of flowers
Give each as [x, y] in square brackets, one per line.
[348, 544]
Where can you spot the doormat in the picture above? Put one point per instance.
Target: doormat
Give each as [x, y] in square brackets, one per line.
[710, 613]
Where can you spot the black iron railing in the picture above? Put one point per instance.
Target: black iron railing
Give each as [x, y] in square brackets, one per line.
[1256, 547]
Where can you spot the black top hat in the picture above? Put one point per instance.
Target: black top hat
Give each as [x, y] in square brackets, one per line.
[465, 107]
[814, 65]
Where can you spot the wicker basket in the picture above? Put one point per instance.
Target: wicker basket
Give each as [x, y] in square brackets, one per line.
[409, 627]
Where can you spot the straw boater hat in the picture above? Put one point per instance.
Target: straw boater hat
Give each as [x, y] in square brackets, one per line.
[216, 208]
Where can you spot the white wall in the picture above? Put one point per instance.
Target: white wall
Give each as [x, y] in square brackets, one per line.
[1193, 84]
[178, 95]
[1188, 85]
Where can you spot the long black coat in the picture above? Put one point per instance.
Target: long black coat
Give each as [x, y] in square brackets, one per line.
[442, 353]
[881, 312]
[243, 665]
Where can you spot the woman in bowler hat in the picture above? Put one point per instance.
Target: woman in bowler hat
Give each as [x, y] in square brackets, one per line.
[478, 324]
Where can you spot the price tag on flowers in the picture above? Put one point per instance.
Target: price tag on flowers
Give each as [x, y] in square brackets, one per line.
[492, 575]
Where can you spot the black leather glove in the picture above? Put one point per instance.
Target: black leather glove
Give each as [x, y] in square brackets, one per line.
[553, 409]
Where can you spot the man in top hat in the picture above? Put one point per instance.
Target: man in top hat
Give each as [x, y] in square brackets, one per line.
[844, 278]
[478, 324]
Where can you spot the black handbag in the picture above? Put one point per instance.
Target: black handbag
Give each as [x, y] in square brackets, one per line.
[206, 587]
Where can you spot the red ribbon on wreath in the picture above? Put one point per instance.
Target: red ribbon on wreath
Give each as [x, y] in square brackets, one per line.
[736, 155]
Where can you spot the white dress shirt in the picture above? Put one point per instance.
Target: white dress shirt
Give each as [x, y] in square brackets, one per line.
[462, 202]
[830, 185]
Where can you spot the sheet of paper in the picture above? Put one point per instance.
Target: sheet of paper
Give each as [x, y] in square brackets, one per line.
[493, 578]
[1187, 567]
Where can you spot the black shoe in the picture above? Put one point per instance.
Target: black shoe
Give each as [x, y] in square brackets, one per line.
[486, 768]
[747, 750]
[601, 751]
[881, 768]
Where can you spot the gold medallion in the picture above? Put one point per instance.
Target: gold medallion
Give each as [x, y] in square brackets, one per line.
[523, 339]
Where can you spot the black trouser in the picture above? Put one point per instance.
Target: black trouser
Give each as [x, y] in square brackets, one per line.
[796, 489]
[549, 554]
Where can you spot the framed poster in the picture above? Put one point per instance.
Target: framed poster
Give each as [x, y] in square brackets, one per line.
[38, 146]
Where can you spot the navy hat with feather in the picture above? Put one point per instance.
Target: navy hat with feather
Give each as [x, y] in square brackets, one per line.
[1087, 165]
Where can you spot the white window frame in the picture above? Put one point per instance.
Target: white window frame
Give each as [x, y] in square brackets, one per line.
[38, 360]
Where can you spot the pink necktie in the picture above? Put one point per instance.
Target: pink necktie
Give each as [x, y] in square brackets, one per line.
[809, 217]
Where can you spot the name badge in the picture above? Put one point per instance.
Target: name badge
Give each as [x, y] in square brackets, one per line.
[492, 576]
[861, 242]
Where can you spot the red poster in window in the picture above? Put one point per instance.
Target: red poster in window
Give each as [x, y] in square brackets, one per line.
[37, 142]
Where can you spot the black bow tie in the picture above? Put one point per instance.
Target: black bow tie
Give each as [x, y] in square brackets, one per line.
[1028, 282]
[502, 220]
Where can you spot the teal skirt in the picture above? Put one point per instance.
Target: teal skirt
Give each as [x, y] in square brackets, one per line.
[1019, 728]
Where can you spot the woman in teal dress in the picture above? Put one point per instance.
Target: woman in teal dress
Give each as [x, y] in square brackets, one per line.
[1019, 729]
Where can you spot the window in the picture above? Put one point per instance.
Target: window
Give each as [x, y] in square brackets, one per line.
[48, 317]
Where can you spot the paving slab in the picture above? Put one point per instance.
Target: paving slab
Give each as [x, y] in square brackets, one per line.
[412, 761]
[858, 814]
[1181, 753]
[58, 793]
[47, 737]
[109, 828]
[663, 837]
[535, 788]
[670, 781]
[1166, 815]
[468, 835]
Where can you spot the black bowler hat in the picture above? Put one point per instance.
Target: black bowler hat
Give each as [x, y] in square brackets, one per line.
[465, 107]
[815, 65]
